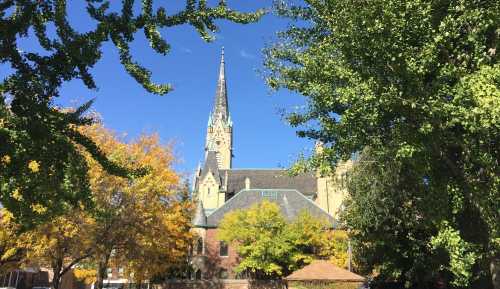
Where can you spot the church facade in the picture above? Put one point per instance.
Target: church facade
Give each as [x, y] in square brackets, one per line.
[219, 188]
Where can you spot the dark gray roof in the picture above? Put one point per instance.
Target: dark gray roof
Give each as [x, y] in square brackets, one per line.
[291, 203]
[211, 165]
[268, 179]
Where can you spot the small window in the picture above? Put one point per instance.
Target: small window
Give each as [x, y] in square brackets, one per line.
[199, 246]
[208, 191]
[223, 249]
[109, 271]
[269, 195]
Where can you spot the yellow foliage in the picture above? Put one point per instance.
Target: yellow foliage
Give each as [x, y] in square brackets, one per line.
[88, 276]
[6, 159]
[34, 166]
[39, 209]
[10, 250]
[335, 246]
[16, 195]
[146, 222]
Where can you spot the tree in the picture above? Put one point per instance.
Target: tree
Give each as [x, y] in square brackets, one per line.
[141, 224]
[270, 247]
[60, 244]
[417, 83]
[39, 156]
[11, 253]
[334, 246]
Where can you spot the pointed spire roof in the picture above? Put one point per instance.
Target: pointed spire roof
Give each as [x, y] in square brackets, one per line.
[220, 106]
[200, 218]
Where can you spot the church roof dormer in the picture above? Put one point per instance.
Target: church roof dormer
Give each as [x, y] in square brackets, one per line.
[221, 110]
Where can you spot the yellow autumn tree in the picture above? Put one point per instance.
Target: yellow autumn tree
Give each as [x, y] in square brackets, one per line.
[60, 244]
[334, 246]
[142, 223]
[11, 253]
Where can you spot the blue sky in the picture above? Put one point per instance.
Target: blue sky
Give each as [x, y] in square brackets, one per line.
[261, 137]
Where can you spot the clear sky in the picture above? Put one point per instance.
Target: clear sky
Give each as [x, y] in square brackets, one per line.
[261, 138]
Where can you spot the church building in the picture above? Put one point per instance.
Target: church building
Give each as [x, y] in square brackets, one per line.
[219, 188]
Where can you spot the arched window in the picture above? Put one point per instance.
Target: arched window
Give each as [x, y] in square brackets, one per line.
[197, 274]
[223, 249]
[199, 246]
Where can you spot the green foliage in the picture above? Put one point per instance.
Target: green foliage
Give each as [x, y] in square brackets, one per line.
[269, 246]
[461, 254]
[416, 82]
[32, 130]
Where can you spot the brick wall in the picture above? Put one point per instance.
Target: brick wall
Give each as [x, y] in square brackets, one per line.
[217, 262]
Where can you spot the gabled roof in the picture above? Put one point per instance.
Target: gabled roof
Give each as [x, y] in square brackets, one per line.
[325, 271]
[269, 179]
[211, 165]
[291, 203]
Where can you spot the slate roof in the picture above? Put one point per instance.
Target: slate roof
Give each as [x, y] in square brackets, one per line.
[268, 179]
[211, 165]
[291, 203]
[324, 271]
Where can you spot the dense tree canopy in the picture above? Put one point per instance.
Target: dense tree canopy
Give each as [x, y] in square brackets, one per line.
[269, 245]
[139, 224]
[38, 158]
[418, 83]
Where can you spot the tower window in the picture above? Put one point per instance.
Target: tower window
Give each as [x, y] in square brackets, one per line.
[223, 249]
[199, 246]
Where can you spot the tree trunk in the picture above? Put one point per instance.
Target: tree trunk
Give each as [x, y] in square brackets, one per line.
[495, 272]
[56, 270]
[102, 268]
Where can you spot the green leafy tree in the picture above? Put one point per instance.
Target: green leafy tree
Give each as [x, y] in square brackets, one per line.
[38, 153]
[418, 83]
[269, 246]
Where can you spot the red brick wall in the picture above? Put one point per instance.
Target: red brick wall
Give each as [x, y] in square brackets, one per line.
[216, 261]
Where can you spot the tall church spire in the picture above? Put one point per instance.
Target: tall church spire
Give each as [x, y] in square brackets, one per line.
[220, 106]
[220, 127]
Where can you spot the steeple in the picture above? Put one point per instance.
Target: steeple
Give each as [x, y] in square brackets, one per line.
[220, 106]
[220, 127]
